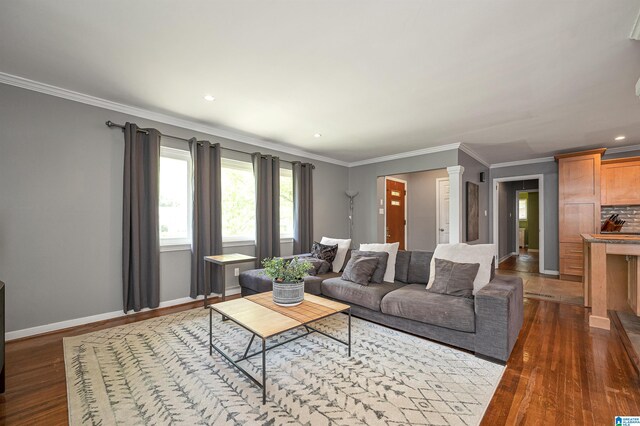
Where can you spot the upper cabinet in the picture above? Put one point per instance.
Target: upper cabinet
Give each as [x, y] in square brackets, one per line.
[620, 182]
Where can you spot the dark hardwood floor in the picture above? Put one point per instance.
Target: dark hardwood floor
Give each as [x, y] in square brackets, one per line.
[560, 373]
[525, 261]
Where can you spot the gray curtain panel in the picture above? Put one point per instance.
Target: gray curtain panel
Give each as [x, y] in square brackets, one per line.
[266, 169]
[140, 231]
[302, 207]
[207, 217]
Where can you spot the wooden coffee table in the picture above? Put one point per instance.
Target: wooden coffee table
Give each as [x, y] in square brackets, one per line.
[262, 318]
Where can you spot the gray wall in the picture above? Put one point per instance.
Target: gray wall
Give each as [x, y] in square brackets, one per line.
[421, 208]
[364, 179]
[61, 209]
[472, 170]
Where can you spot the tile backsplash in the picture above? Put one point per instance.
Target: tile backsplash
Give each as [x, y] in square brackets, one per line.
[629, 213]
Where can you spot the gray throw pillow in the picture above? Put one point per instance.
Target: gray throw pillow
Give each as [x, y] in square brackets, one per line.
[318, 266]
[454, 279]
[381, 268]
[360, 269]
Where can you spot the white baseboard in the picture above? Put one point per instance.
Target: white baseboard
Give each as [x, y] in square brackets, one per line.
[549, 272]
[506, 256]
[26, 332]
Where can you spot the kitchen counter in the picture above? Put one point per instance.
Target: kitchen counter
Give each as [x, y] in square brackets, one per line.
[612, 238]
[611, 275]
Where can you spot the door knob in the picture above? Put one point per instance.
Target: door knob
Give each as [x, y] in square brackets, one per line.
[441, 229]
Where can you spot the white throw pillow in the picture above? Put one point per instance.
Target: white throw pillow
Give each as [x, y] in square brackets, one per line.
[343, 247]
[392, 249]
[466, 253]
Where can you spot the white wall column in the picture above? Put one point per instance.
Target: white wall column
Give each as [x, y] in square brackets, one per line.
[455, 203]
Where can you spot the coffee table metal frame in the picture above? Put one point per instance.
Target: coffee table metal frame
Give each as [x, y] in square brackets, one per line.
[264, 349]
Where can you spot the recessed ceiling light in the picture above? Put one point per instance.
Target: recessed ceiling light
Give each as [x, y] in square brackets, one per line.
[620, 138]
[317, 135]
[209, 98]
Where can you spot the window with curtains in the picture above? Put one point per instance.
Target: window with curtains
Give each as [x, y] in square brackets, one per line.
[238, 201]
[286, 203]
[175, 197]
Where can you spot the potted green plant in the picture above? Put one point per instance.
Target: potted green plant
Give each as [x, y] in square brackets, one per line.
[288, 279]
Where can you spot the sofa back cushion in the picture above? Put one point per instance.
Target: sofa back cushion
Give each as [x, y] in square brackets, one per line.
[402, 266]
[419, 267]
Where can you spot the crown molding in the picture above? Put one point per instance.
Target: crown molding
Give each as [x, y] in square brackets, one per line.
[522, 162]
[635, 31]
[619, 149]
[36, 86]
[407, 154]
[473, 154]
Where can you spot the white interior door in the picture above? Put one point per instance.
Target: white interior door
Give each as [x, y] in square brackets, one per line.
[442, 221]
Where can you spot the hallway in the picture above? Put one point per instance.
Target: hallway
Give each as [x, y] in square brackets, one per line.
[526, 261]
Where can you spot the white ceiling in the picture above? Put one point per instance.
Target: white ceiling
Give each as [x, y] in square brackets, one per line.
[511, 79]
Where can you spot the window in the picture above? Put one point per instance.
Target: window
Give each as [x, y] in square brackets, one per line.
[238, 201]
[522, 209]
[286, 203]
[175, 197]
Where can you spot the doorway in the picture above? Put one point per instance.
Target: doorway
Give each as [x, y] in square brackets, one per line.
[396, 211]
[442, 210]
[518, 223]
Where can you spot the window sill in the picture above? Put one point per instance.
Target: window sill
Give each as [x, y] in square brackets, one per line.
[175, 247]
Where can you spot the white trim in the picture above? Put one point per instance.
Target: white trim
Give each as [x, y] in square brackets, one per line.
[398, 156]
[522, 162]
[541, 221]
[238, 243]
[505, 257]
[549, 272]
[175, 247]
[438, 180]
[455, 203]
[26, 332]
[619, 149]
[406, 219]
[473, 154]
[60, 92]
[635, 31]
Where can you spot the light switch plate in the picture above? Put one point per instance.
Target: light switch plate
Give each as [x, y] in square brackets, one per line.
[381, 211]
[236, 271]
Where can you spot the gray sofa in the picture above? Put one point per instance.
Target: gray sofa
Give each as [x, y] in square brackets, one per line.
[488, 324]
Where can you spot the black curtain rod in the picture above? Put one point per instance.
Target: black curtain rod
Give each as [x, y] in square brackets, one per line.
[110, 123]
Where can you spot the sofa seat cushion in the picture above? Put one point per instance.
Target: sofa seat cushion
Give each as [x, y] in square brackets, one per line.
[255, 280]
[368, 296]
[415, 303]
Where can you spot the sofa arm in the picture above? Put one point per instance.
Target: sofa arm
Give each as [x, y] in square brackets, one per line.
[499, 317]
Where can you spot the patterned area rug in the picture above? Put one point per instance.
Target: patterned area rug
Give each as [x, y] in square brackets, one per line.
[159, 372]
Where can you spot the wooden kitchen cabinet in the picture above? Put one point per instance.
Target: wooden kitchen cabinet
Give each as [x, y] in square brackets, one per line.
[579, 189]
[620, 182]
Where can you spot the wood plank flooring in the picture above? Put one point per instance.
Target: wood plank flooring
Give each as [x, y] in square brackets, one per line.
[525, 261]
[560, 373]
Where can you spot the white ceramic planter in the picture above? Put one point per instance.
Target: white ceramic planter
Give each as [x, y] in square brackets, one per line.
[288, 294]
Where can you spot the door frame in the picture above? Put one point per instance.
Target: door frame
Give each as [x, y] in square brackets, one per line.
[518, 191]
[541, 220]
[406, 225]
[438, 180]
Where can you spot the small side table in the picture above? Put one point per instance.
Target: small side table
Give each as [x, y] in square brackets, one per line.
[223, 260]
